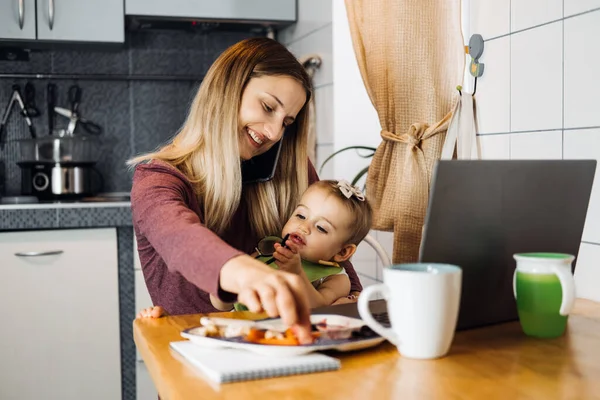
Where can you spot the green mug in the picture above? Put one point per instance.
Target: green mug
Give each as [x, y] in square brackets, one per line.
[544, 289]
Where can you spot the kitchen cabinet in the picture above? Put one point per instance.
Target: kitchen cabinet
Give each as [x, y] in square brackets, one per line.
[222, 10]
[60, 332]
[17, 19]
[63, 20]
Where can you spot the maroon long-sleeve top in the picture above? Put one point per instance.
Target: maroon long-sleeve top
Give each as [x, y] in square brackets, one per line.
[181, 258]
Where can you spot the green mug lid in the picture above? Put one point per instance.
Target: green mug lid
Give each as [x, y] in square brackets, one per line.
[548, 256]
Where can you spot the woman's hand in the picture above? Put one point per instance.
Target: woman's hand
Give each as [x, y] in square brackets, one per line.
[261, 288]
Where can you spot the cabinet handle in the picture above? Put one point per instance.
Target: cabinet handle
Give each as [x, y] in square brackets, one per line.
[21, 14]
[51, 13]
[38, 253]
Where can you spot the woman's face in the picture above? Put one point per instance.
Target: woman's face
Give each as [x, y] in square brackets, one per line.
[269, 104]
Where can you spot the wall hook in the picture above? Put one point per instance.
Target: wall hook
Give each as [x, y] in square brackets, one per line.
[475, 51]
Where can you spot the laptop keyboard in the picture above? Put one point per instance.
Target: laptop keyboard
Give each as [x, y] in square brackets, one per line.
[382, 318]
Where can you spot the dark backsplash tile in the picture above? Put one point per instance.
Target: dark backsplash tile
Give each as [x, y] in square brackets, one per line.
[136, 115]
[115, 121]
[172, 62]
[159, 110]
[91, 62]
[39, 62]
[174, 40]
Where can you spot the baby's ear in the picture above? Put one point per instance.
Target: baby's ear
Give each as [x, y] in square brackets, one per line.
[345, 253]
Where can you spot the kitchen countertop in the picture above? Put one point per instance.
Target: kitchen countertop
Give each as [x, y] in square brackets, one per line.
[65, 205]
[65, 215]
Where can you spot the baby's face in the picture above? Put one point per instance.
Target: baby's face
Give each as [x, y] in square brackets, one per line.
[320, 225]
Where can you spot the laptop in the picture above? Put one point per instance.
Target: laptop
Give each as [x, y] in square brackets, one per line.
[481, 212]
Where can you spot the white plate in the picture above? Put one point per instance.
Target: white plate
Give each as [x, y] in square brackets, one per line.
[284, 351]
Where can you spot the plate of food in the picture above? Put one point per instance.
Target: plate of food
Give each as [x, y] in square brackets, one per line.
[272, 337]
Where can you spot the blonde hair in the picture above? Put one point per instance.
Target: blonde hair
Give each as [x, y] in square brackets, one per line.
[206, 148]
[360, 210]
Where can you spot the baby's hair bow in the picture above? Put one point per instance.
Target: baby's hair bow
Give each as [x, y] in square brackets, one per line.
[348, 190]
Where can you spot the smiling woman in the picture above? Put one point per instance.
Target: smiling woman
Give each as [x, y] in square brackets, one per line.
[194, 219]
[269, 105]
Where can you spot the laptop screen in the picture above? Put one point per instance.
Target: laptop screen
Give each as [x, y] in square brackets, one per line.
[481, 212]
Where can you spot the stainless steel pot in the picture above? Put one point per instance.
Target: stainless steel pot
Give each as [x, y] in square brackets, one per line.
[66, 149]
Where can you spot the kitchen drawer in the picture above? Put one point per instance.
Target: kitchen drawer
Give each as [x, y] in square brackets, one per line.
[61, 335]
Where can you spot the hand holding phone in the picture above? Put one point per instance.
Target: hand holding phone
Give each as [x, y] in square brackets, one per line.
[261, 168]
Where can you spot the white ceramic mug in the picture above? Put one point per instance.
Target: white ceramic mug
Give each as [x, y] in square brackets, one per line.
[422, 302]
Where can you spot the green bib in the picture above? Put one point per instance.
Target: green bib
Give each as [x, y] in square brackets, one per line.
[313, 271]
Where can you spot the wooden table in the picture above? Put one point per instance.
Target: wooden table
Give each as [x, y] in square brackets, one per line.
[497, 362]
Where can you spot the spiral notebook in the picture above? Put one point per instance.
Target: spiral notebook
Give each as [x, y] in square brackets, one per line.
[233, 365]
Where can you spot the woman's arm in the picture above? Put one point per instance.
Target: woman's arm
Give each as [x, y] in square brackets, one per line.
[161, 212]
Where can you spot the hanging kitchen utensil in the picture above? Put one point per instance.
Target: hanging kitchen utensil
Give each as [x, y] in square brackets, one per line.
[17, 98]
[75, 120]
[51, 103]
[74, 99]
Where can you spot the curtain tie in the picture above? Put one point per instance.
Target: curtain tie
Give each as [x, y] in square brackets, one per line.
[418, 132]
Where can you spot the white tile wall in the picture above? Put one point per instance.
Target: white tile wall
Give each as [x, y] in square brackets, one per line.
[541, 115]
[367, 280]
[324, 151]
[493, 88]
[582, 63]
[536, 145]
[319, 43]
[324, 116]
[528, 13]
[577, 6]
[489, 18]
[585, 144]
[536, 78]
[386, 239]
[494, 147]
[587, 271]
[312, 15]
[366, 267]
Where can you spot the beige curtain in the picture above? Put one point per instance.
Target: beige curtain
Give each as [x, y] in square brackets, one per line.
[411, 58]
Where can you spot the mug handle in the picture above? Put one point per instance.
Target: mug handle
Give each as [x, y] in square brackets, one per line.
[365, 312]
[568, 289]
[515, 284]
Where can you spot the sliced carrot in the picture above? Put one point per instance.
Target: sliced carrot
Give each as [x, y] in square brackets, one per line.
[254, 335]
[288, 341]
[258, 336]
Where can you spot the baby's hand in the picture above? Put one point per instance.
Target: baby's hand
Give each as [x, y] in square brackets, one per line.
[287, 258]
[152, 312]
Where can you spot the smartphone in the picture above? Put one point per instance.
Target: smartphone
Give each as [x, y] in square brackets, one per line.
[261, 168]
